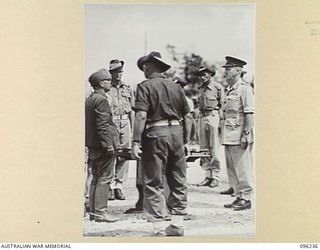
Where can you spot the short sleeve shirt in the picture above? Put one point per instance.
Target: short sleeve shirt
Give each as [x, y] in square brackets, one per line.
[161, 98]
[238, 100]
[121, 99]
[190, 104]
[210, 96]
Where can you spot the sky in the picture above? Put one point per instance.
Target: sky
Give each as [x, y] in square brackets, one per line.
[118, 31]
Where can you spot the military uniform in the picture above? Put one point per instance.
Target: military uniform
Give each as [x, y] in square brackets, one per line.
[121, 103]
[100, 134]
[238, 101]
[209, 103]
[162, 145]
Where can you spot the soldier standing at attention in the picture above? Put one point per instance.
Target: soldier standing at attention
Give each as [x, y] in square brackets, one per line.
[121, 103]
[237, 133]
[101, 138]
[210, 94]
[160, 129]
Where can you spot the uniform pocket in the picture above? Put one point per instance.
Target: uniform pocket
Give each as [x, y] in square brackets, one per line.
[154, 140]
[211, 100]
[232, 123]
[233, 103]
[126, 101]
[232, 129]
[126, 94]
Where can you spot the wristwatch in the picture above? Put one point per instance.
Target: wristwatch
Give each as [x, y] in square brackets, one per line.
[246, 132]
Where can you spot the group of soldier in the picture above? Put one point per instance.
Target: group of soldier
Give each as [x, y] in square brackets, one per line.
[155, 124]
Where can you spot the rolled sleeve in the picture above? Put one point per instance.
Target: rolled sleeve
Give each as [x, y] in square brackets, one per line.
[141, 101]
[248, 99]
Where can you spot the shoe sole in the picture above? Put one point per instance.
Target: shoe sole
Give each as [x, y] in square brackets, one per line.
[226, 193]
[174, 235]
[227, 206]
[159, 234]
[99, 221]
[133, 211]
[241, 208]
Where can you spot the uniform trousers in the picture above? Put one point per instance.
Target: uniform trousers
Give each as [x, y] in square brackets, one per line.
[240, 170]
[102, 165]
[163, 159]
[122, 166]
[209, 139]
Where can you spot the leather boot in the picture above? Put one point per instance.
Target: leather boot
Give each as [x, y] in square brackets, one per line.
[230, 205]
[111, 195]
[214, 183]
[242, 205]
[173, 230]
[205, 182]
[228, 192]
[118, 194]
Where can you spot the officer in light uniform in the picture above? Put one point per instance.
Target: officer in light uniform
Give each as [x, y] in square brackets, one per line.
[121, 97]
[237, 133]
[210, 94]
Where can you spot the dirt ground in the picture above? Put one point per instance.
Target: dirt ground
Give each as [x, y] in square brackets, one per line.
[208, 217]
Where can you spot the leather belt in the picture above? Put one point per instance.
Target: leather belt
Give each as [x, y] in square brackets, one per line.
[163, 123]
[121, 117]
[208, 113]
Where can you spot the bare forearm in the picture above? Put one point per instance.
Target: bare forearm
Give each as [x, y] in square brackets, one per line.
[248, 121]
[187, 124]
[139, 124]
[131, 118]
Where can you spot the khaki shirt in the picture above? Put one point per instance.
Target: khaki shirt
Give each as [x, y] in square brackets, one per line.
[121, 99]
[161, 98]
[238, 101]
[190, 104]
[210, 97]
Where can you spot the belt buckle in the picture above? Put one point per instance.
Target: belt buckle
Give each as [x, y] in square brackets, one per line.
[171, 122]
[123, 117]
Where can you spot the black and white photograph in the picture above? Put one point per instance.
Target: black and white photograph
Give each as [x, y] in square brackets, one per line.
[169, 120]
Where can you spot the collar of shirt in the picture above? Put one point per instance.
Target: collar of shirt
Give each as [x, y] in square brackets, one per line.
[119, 85]
[235, 86]
[208, 86]
[100, 91]
[154, 75]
